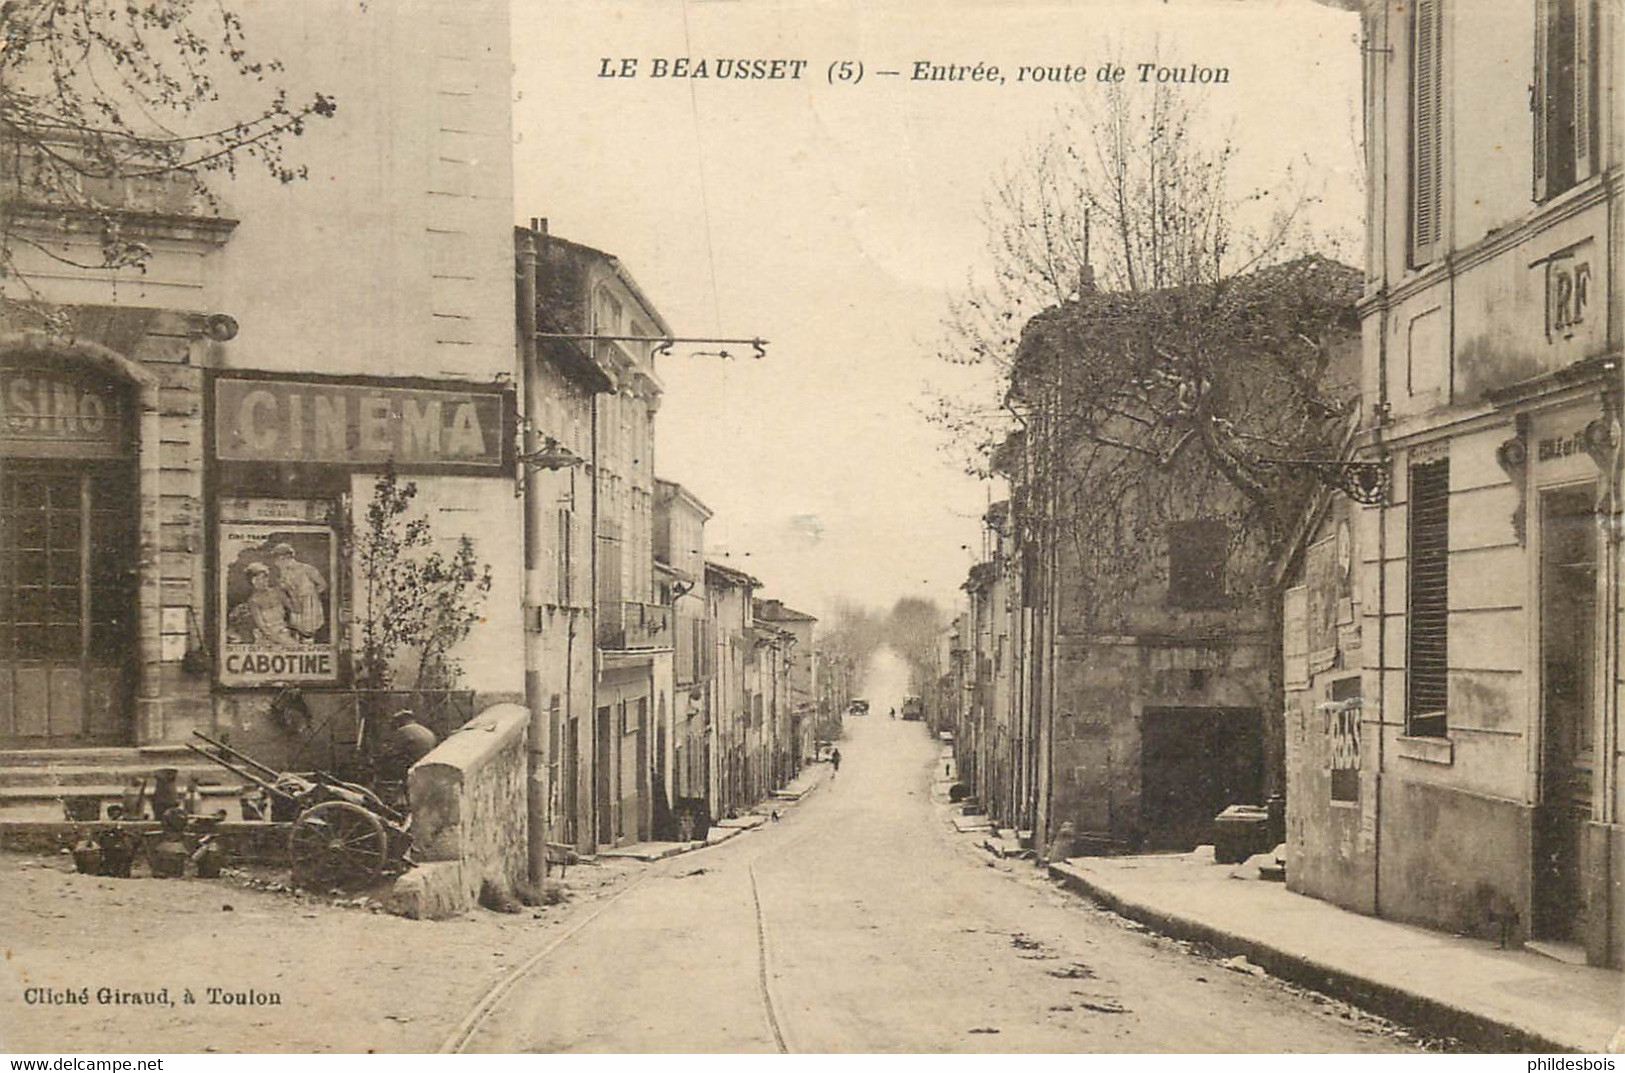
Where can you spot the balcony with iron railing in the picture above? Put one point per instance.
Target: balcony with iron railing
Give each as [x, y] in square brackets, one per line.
[629, 626]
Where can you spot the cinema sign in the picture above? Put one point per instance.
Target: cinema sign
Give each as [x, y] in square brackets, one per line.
[362, 424]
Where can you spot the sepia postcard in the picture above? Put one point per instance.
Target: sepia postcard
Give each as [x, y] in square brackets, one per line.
[799, 526]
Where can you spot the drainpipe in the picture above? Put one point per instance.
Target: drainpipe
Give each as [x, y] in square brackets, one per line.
[536, 788]
[1379, 201]
[594, 784]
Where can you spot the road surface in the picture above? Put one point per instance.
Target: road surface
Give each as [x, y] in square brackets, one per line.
[861, 922]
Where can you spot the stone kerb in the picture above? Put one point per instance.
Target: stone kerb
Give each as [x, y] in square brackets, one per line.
[469, 820]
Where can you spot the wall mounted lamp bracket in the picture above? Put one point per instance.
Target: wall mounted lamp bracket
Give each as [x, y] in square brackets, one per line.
[552, 455]
[663, 343]
[1363, 482]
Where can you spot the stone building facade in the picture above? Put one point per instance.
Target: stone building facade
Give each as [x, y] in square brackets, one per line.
[1488, 579]
[178, 427]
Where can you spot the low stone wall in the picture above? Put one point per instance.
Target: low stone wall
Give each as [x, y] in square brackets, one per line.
[469, 820]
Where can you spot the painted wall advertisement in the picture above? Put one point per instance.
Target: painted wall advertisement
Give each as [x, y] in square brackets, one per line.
[277, 613]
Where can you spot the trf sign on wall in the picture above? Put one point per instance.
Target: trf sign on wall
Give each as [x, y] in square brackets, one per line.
[360, 424]
[1568, 292]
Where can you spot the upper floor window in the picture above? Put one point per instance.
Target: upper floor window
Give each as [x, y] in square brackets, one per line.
[1564, 98]
[1427, 131]
[1197, 551]
[609, 313]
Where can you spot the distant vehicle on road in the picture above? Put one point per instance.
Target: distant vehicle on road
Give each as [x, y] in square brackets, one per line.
[913, 708]
[860, 707]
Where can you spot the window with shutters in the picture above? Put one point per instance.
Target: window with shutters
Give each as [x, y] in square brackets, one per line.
[1427, 131]
[1428, 639]
[1197, 551]
[609, 563]
[564, 590]
[1564, 97]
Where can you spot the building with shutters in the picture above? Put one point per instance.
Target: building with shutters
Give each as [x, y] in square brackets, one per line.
[728, 596]
[561, 383]
[1479, 785]
[188, 450]
[680, 519]
[591, 299]
[799, 715]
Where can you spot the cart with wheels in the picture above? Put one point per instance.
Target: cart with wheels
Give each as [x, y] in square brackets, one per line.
[343, 834]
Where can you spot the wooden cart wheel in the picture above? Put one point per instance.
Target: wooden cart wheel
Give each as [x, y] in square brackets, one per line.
[338, 844]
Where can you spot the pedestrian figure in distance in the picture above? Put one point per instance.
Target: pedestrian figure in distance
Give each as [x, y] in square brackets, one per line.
[894, 713]
[835, 762]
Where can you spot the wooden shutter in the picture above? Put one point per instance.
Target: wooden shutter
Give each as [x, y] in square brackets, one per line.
[1581, 106]
[610, 585]
[565, 554]
[1427, 105]
[1537, 95]
[1564, 95]
[1428, 637]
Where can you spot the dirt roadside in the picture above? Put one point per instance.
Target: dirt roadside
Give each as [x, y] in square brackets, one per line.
[345, 978]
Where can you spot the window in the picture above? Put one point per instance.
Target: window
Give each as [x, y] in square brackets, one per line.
[1564, 96]
[1427, 131]
[1427, 642]
[564, 551]
[1343, 727]
[609, 564]
[1196, 555]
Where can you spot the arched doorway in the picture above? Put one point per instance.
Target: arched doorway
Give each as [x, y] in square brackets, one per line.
[69, 540]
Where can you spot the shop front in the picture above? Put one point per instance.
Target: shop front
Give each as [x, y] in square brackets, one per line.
[70, 537]
[295, 460]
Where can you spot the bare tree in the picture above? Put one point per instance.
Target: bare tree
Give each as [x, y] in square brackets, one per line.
[111, 108]
[1165, 346]
[1128, 194]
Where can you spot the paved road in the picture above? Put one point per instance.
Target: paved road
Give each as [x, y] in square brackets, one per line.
[872, 927]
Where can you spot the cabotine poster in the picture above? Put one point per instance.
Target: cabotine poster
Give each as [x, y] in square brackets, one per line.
[277, 614]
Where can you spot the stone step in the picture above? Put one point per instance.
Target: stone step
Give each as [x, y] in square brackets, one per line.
[103, 754]
[108, 790]
[47, 803]
[73, 775]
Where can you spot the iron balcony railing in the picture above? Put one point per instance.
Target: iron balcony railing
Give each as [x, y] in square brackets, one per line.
[629, 625]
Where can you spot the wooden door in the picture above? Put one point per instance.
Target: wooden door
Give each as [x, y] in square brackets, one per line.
[1568, 623]
[67, 602]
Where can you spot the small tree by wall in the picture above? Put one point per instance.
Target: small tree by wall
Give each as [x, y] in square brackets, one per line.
[417, 604]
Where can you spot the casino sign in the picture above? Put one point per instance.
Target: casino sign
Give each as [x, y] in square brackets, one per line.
[61, 412]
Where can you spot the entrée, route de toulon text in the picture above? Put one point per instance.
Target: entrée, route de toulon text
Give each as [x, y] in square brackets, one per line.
[785, 70]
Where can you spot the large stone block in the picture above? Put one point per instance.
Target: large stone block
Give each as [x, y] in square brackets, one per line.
[469, 804]
[431, 891]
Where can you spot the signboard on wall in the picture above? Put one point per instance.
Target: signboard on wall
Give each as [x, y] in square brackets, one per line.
[278, 618]
[61, 412]
[1321, 580]
[330, 422]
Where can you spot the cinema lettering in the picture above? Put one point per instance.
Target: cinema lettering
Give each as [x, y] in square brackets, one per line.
[318, 422]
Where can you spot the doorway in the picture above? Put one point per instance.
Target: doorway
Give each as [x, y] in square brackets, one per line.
[570, 768]
[67, 602]
[1196, 762]
[602, 773]
[1568, 664]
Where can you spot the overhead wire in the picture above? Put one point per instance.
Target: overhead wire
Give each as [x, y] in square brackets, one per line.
[705, 197]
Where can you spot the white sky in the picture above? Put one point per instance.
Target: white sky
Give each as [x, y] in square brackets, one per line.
[835, 220]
